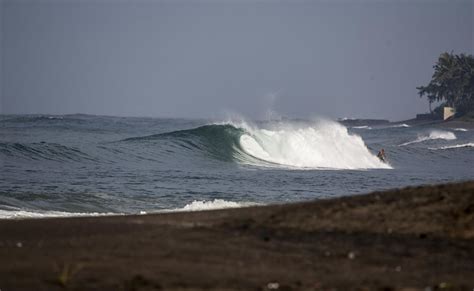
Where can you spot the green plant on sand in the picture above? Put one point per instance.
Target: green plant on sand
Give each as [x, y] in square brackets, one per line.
[66, 272]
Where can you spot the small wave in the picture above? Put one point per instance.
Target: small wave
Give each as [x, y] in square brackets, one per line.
[400, 125]
[362, 127]
[347, 119]
[435, 134]
[465, 145]
[23, 214]
[198, 205]
[202, 205]
[460, 129]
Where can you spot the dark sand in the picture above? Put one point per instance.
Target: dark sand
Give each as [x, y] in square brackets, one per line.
[412, 239]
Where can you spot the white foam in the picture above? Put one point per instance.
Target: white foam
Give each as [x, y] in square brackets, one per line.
[347, 118]
[362, 127]
[325, 144]
[460, 129]
[21, 214]
[400, 125]
[198, 205]
[435, 134]
[465, 145]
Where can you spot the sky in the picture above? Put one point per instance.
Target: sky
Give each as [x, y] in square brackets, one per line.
[203, 59]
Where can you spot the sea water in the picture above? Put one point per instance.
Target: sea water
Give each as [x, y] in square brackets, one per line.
[81, 165]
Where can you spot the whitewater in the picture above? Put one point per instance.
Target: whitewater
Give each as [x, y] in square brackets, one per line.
[84, 165]
[322, 145]
[433, 135]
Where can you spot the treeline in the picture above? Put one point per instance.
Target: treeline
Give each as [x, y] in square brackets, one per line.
[452, 82]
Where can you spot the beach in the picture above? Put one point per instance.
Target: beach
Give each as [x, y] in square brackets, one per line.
[236, 145]
[416, 238]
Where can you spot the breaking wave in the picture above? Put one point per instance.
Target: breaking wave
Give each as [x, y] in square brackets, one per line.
[435, 134]
[323, 145]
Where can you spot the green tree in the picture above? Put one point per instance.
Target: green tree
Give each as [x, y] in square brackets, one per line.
[452, 82]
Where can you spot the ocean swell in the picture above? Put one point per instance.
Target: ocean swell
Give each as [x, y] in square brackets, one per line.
[42, 151]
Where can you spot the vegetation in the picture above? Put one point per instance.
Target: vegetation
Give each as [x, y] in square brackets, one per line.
[452, 82]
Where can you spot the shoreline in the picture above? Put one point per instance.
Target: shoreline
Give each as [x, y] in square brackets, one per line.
[416, 237]
[451, 124]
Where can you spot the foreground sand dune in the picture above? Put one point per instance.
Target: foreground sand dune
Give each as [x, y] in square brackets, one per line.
[418, 238]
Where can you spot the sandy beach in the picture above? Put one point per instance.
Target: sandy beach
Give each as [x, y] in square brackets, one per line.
[236, 145]
[417, 238]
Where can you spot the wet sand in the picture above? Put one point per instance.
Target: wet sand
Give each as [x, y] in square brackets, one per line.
[419, 238]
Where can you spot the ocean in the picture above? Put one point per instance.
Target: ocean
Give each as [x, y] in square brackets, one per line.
[83, 165]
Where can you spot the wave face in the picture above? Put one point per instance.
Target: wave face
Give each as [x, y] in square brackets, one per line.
[433, 135]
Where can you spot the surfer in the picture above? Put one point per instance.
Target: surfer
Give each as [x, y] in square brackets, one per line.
[381, 155]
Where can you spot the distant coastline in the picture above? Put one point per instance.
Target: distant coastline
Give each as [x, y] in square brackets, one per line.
[458, 122]
[461, 122]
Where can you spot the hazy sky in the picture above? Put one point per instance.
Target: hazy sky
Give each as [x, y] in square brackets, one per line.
[204, 58]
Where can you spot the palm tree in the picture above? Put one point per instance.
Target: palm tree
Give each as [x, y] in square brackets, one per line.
[452, 82]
